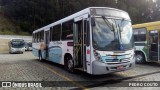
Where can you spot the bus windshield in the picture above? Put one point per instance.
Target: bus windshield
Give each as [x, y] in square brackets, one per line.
[17, 44]
[112, 34]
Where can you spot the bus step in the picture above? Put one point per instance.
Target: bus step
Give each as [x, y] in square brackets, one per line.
[78, 66]
[81, 69]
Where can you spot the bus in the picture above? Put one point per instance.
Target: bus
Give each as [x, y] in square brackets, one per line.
[16, 46]
[146, 37]
[96, 40]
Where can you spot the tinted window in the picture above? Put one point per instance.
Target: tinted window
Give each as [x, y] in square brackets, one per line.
[67, 30]
[42, 36]
[56, 32]
[86, 32]
[139, 34]
[35, 37]
[38, 37]
[51, 29]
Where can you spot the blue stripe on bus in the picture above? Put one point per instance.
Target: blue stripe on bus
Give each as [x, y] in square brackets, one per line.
[35, 52]
[104, 58]
[55, 54]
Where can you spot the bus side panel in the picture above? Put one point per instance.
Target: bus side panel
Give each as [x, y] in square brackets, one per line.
[35, 52]
[66, 49]
[43, 54]
[58, 49]
[55, 54]
[35, 49]
[142, 49]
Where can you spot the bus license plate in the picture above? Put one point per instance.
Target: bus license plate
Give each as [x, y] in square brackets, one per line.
[120, 67]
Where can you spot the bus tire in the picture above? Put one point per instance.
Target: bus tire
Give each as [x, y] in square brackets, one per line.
[139, 57]
[69, 64]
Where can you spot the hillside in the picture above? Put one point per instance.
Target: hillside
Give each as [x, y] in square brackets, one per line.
[8, 28]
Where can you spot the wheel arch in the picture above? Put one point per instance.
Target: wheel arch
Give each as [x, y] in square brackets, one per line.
[139, 51]
[67, 55]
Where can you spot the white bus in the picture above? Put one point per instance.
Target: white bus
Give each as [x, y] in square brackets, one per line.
[16, 46]
[97, 40]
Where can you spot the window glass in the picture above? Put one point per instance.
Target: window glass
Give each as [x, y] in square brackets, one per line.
[67, 30]
[56, 32]
[36, 37]
[51, 34]
[86, 32]
[139, 34]
[42, 36]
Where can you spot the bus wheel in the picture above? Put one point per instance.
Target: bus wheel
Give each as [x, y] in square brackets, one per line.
[139, 58]
[70, 65]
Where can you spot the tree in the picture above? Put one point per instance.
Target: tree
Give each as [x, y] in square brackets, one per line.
[33, 14]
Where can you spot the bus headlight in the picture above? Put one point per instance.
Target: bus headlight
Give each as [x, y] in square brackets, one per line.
[98, 56]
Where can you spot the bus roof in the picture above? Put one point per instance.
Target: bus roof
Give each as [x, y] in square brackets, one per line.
[82, 12]
[156, 23]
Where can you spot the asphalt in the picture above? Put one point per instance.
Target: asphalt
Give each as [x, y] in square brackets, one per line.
[26, 67]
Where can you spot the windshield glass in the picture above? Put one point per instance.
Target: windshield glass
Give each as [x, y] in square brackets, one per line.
[18, 44]
[112, 34]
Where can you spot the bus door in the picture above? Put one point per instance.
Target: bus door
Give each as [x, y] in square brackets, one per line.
[153, 45]
[80, 39]
[47, 40]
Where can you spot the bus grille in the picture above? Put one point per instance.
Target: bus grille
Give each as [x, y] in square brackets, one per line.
[117, 61]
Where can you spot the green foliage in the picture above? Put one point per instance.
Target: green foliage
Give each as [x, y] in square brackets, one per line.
[32, 14]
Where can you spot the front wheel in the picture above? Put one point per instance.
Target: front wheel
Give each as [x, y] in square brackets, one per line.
[139, 58]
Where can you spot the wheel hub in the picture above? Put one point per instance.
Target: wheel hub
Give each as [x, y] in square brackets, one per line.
[70, 64]
[138, 57]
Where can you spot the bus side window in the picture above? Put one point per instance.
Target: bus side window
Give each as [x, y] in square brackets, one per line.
[42, 35]
[56, 33]
[87, 32]
[140, 34]
[67, 30]
[39, 35]
[51, 31]
[35, 39]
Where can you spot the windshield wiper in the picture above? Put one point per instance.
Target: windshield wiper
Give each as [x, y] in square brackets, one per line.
[113, 31]
[110, 25]
[119, 34]
[119, 31]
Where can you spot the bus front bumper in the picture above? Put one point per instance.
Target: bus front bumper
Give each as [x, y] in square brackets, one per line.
[104, 68]
[17, 51]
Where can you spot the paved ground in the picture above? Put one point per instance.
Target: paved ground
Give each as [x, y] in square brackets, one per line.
[26, 67]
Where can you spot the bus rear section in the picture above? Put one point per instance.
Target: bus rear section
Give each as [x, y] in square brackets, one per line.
[147, 46]
[17, 46]
[98, 40]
